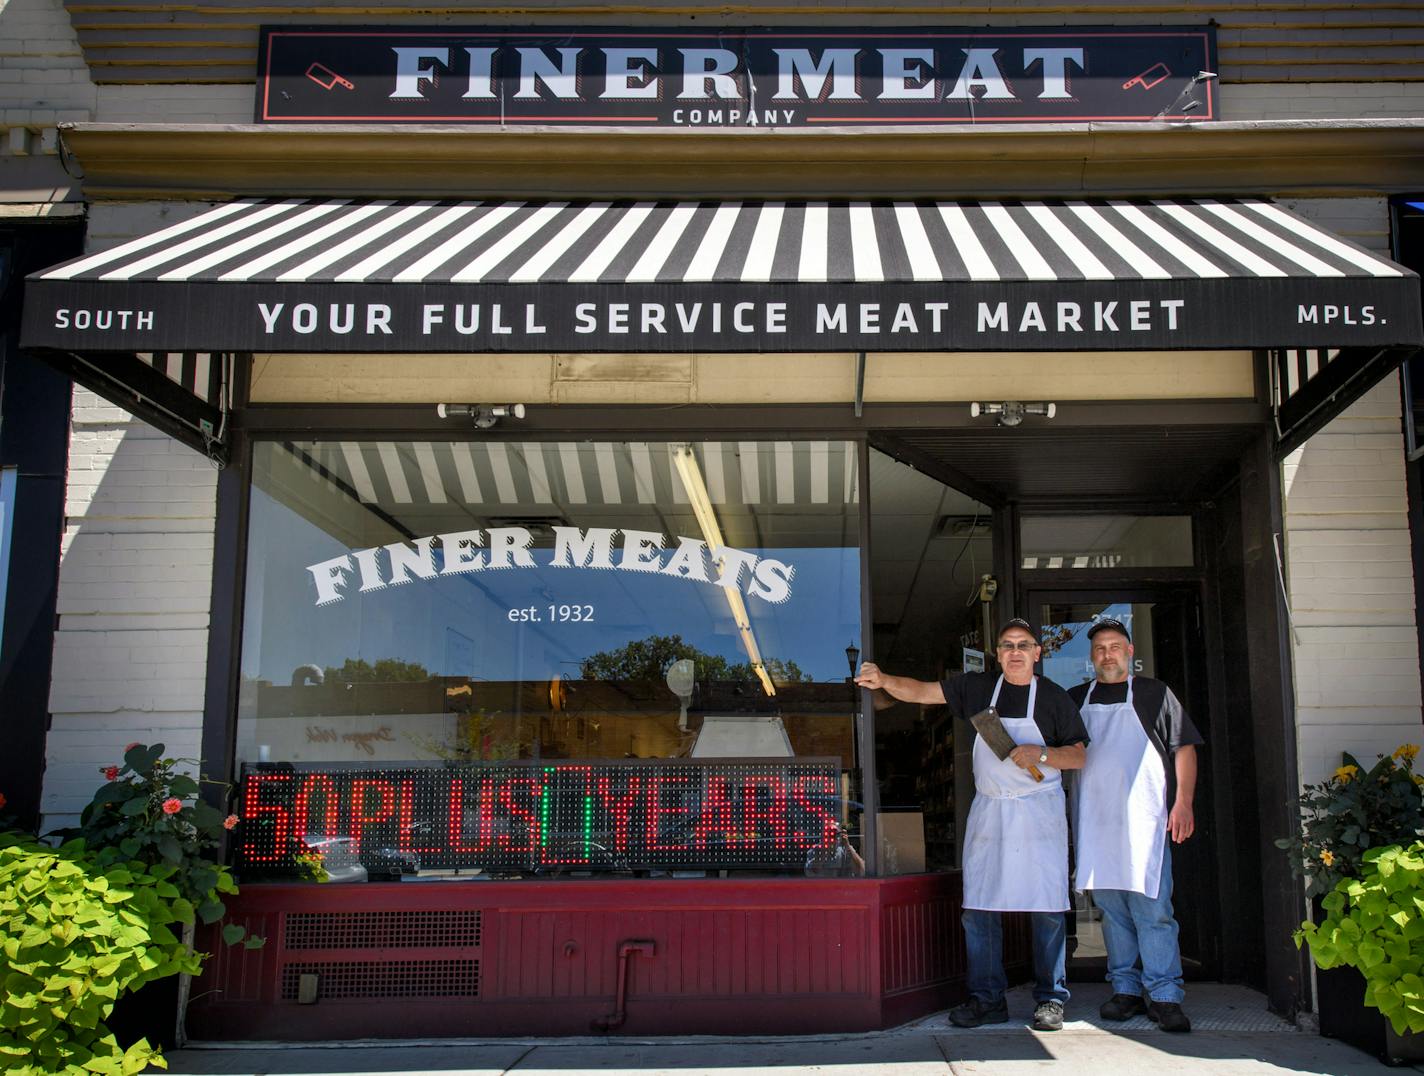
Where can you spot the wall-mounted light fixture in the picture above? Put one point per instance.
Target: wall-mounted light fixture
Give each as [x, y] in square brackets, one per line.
[1012, 412]
[482, 415]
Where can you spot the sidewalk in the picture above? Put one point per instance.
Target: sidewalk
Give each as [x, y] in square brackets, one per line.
[1233, 1035]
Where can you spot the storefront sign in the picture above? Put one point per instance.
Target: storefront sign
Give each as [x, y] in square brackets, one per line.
[509, 816]
[600, 548]
[1013, 316]
[721, 78]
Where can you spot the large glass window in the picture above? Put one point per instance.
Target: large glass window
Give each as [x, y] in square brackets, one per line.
[550, 657]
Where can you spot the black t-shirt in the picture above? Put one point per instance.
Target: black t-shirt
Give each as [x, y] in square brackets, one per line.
[1163, 718]
[1054, 712]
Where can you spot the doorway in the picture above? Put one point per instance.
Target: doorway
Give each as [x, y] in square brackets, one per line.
[1166, 626]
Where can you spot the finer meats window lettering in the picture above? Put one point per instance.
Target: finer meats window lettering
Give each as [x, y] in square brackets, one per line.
[734, 79]
[535, 817]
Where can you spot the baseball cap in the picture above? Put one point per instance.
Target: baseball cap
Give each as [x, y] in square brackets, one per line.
[1110, 624]
[1018, 622]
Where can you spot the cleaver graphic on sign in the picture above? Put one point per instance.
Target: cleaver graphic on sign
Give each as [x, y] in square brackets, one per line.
[1149, 78]
[326, 78]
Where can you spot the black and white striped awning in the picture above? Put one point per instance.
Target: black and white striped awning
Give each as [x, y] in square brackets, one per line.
[524, 476]
[481, 276]
[183, 393]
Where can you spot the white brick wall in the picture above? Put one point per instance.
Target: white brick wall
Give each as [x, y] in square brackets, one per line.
[135, 581]
[43, 77]
[1351, 580]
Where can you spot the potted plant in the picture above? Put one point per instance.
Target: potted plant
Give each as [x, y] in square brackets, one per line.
[106, 917]
[148, 814]
[1355, 827]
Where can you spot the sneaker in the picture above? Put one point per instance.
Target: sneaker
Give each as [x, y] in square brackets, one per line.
[1168, 1016]
[1048, 1016]
[976, 1011]
[1123, 1007]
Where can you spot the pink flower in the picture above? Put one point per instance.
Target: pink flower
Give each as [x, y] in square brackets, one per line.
[230, 822]
[111, 773]
[172, 805]
[130, 747]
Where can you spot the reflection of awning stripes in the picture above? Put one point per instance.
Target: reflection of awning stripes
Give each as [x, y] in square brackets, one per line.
[1073, 560]
[522, 476]
[306, 241]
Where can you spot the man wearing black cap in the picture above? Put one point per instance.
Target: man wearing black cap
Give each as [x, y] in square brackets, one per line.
[1016, 841]
[1135, 791]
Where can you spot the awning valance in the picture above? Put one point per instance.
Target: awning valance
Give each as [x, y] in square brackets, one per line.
[482, 276]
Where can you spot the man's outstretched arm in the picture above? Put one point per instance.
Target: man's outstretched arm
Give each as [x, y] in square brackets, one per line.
[901, 688]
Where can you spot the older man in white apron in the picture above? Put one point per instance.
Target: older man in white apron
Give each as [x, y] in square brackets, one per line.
[1016, 841]
[1134, 793]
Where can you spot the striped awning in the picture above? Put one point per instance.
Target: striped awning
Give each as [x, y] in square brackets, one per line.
[479, 276]
[531, 476]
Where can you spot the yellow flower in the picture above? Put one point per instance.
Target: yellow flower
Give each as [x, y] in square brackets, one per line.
[1327, 857]
[1419, 779]
[1346, 773]
[1407, 751]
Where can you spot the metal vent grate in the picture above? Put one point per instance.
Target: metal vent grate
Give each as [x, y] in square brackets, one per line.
[382, 930]
[370, 979]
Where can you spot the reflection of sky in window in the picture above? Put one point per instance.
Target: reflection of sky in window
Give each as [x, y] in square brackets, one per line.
[459, 625]
[1070, 664]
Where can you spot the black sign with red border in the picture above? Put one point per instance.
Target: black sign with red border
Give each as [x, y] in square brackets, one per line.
[726, 79]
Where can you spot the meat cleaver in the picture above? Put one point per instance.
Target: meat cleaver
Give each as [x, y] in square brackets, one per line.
[990, 726]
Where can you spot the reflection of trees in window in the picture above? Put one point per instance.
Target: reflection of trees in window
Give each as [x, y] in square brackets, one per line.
[1055, 637]
[384, 671]
[650, 658]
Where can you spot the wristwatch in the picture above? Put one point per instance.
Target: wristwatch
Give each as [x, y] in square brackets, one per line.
[1042, 755]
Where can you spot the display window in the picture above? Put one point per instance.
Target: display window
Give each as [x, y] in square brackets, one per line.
[503, 658]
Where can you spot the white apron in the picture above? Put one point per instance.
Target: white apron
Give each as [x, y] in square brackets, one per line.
[1016, 841]
[1122, 802]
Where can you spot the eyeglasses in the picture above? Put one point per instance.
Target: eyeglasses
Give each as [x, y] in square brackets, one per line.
[1022, 644]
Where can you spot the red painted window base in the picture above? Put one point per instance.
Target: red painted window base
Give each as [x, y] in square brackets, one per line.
[646, 957]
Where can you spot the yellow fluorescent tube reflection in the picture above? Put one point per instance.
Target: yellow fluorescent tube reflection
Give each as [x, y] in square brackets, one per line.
[691, 476]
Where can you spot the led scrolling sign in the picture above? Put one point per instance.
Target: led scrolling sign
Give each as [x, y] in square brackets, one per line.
[532, 817]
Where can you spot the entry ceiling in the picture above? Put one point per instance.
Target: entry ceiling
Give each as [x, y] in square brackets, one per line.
[1090, 467]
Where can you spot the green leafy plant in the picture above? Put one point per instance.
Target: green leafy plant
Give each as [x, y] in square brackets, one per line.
[148, 812]
[1352, 812]
[1375, 923]
[77, 933]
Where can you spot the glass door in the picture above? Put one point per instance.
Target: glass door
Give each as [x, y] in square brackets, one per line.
[1164, 622]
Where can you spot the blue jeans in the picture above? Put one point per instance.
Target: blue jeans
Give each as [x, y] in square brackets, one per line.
[1141, 938]
[984, 945]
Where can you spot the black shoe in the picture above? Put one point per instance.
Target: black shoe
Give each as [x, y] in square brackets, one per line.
[976, 1011]
[1123, 1007]
[1168, 1015]
[1048, 1016]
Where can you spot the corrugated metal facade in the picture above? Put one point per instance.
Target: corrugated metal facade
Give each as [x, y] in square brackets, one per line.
[150, 41]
